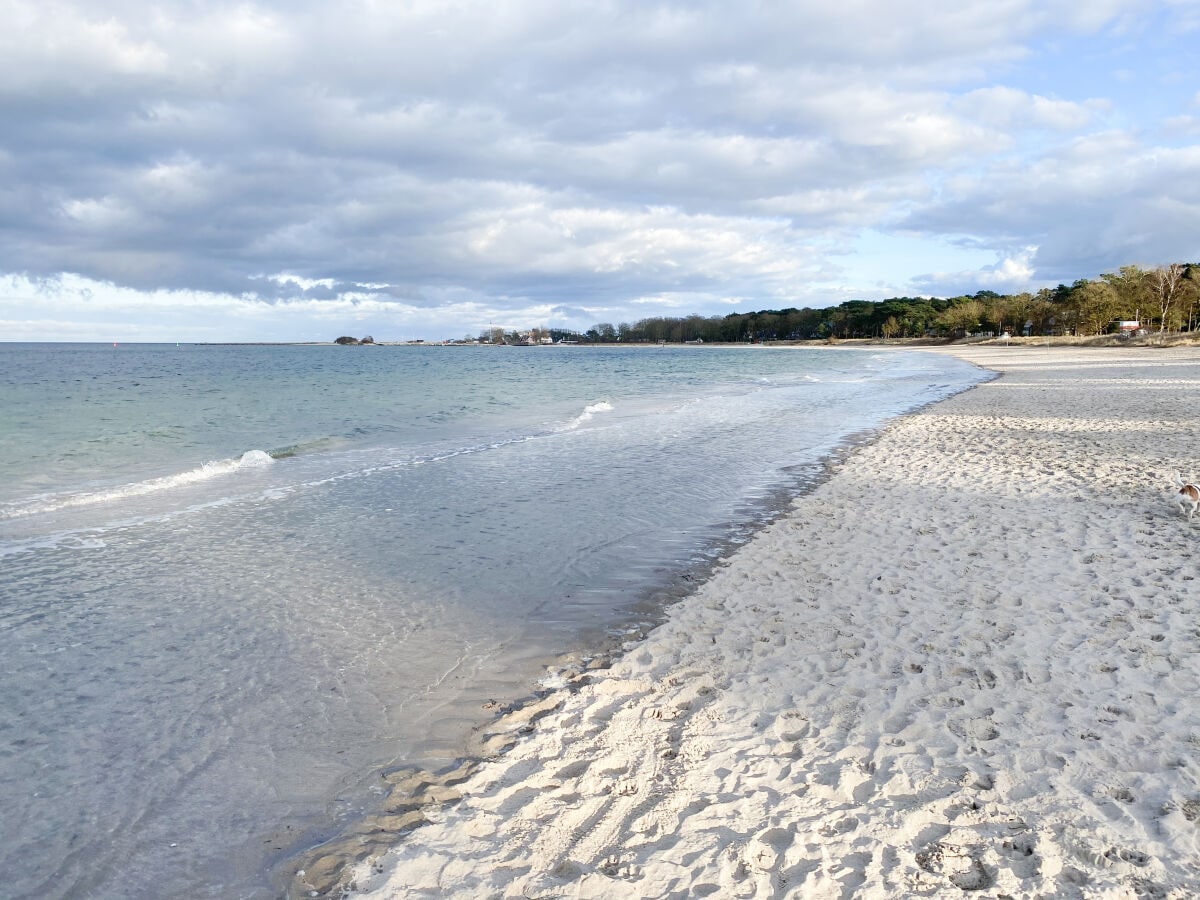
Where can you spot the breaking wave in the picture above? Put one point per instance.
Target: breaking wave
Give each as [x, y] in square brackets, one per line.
[589, 411]
[251, 459]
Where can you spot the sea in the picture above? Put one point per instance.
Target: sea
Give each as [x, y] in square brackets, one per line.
[239, 582]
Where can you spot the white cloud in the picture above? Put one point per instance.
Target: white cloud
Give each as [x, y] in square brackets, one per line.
[100, 215]
[1011, 274]
[1007, 108]
[305, 284]
[424, 159]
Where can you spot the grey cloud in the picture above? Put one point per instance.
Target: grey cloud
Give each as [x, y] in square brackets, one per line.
[517, 152]
[1091, 207]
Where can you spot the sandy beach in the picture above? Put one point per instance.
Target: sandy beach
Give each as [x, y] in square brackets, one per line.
[967, 661]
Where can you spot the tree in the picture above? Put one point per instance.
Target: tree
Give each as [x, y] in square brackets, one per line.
[919, 317]
[1084, 308]
[962, 317]
[858, 318]
[1043, 311]
[1166, 283]
[1019, 306]
[1095, 304]
[996, 309]
[1191, 295]
[1130, 284]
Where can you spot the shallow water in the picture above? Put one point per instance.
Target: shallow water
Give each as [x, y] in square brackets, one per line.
[237, 581]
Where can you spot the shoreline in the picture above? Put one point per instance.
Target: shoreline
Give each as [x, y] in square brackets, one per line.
[324, 868]
[818, 716]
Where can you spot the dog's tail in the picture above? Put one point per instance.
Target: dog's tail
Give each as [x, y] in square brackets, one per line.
[1179, 482]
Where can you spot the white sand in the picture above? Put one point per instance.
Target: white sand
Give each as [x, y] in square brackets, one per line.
[970, 660]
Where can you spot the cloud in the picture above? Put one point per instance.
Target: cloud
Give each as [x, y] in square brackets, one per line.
[1093, 204]
[1010, 275]
[534, 156]
[1007, 109]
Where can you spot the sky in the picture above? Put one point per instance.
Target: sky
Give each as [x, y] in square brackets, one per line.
[295, 171]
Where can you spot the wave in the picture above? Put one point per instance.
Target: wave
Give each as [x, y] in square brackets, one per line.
[302, 448]
[251, 459]
[411, 460]
[589, 411]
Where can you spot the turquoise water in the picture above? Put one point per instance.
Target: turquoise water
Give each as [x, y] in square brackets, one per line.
[237, 581]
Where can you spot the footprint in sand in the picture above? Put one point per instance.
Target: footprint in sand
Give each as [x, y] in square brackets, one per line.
[956, 863]
[976, 731]
[1122, 854]
[615, 867]
[792, 726]
[844, 825]
[573, 770]
[767, 848]
[1021, 855]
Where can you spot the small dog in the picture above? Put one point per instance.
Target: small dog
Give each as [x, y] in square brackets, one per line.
[1187, 496]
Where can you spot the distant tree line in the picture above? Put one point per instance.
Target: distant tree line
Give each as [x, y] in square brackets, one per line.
[1165, 299]
[495, 335]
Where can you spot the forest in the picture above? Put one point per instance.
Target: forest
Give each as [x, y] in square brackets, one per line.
[1163, 299]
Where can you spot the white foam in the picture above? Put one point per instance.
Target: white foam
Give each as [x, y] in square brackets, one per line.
[600, 406]
[251, 459]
